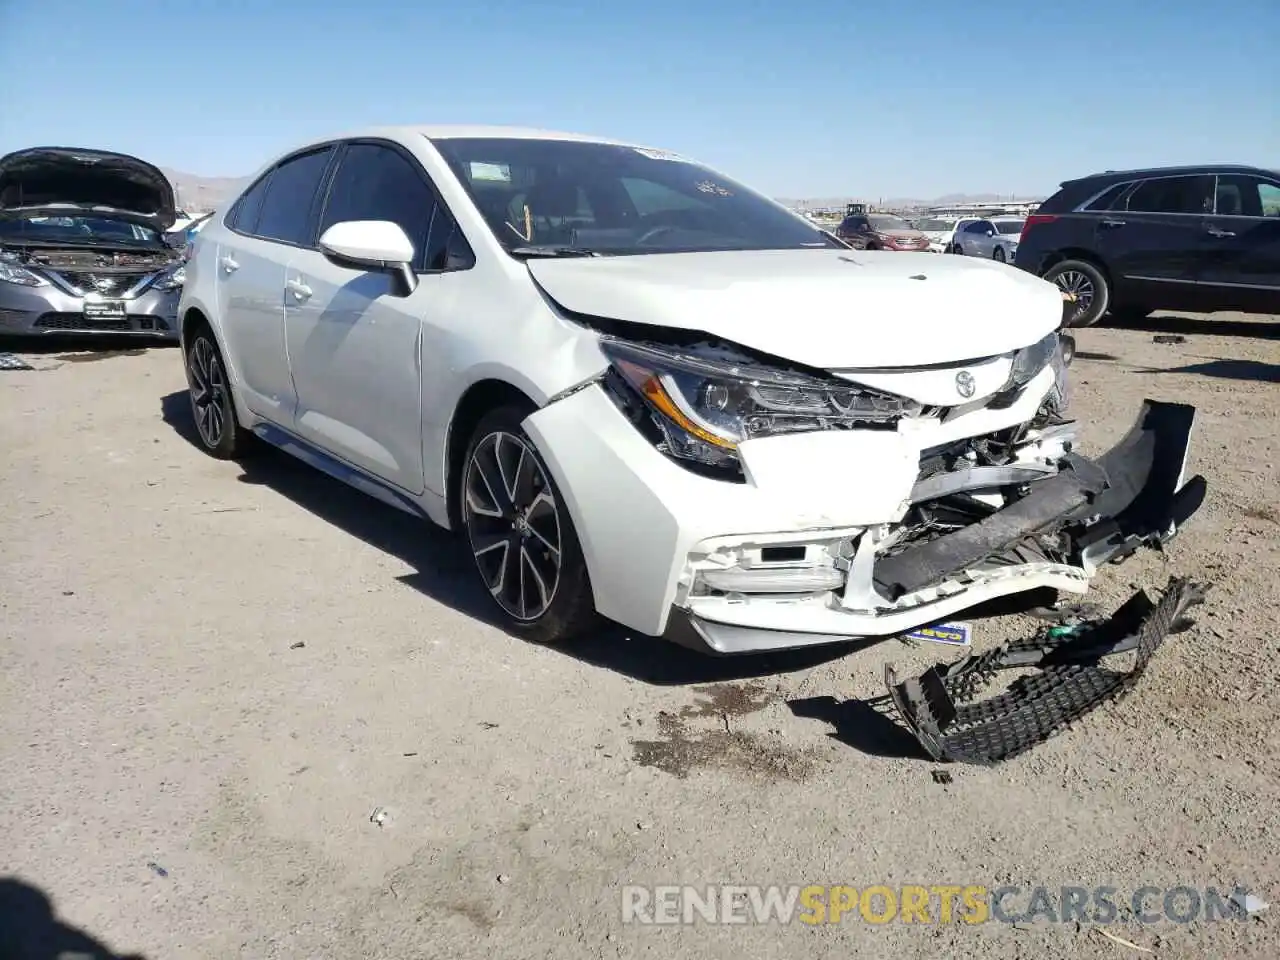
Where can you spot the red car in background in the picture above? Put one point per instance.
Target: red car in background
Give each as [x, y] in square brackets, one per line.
[881, 231]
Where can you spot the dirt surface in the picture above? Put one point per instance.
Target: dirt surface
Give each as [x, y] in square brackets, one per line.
[212, 675]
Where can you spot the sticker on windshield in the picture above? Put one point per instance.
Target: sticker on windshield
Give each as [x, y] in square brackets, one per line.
[659, 154]
[494, 172]
[706, 186]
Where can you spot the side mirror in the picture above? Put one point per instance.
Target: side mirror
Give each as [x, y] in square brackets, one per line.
[374, 245]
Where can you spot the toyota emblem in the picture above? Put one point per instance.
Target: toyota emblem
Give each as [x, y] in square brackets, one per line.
[965, 385]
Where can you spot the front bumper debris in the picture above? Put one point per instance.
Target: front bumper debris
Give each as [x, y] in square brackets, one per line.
[1071, 683]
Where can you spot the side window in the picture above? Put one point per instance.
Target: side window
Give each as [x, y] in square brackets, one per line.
[446, 247]
[1240, 195]
[1269, 198]
[1173, 195]
[978, 226]
[245, 216]
[1106, 201]
[286, 211]
[374, 182]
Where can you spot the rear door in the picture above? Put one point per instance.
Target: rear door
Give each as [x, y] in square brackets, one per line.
[1239, 264]
[268, 222]
[1150, 238]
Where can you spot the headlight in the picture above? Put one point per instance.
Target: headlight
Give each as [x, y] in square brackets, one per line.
[12, 273]
[1029, 361]
[172, 279]
[703, 408]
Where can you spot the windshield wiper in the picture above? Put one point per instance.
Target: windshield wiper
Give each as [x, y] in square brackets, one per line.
[551, 250]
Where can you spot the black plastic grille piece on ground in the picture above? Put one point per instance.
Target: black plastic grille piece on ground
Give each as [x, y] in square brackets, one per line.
[1071, 683]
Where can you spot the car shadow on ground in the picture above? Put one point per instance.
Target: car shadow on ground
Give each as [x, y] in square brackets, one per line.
[866, 725]
[1263, 328]
[443, 572]
[1090, 355]
[1227, 369]
[29, 930]
[81, 349]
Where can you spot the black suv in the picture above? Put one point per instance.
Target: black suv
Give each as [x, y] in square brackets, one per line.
[1173, 238]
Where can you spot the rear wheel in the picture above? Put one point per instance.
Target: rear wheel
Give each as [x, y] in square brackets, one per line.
[521, 537]
[212, 406]
[1085, 284]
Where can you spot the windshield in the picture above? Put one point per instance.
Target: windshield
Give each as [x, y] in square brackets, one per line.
[888, 223]
[1009, 226]
[934, 226]
[76, 230]
[564, 196]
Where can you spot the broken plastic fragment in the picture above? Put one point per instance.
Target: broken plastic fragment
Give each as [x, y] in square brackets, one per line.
[1072, 682]
[1249, 903]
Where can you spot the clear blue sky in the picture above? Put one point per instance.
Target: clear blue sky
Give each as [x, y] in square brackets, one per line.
[803, 98]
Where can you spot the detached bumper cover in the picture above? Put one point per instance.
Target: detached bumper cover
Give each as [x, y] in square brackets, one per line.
[1131, 496]
[1072, 682]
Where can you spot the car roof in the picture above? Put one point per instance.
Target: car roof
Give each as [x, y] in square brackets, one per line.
[471, 131]
[1202, 168]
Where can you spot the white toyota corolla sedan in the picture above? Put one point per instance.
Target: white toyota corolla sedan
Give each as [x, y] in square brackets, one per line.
[642, 390]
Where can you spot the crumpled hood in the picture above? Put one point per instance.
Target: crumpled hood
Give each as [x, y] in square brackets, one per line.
[830, 309]
[66, 181]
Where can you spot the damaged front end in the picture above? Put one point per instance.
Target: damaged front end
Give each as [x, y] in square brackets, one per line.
[987, 517]
[772, 506]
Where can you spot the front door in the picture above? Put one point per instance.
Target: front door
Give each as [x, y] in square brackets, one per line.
[1240, 243]
[355, 346]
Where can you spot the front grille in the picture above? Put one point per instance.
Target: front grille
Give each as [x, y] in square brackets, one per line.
[78, 321]
[108, 284]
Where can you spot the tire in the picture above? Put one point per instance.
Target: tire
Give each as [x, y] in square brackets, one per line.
[212, 406]
[957, 249]
[1088, 283]
[508, 501]
[998, 255]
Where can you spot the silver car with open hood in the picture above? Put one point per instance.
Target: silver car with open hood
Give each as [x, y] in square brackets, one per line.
[82, 247]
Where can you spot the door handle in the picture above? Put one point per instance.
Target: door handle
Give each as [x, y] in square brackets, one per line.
[228, 263]
[1112, 224]
[1216, 232]
[299, 289]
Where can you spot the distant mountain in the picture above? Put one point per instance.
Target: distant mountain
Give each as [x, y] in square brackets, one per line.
[202, 194]
[838, 203]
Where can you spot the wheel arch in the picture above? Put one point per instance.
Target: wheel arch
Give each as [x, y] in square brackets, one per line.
[478, 399]
[1077, 253]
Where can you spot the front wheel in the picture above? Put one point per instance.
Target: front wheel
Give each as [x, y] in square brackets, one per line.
[1083, 283]
[520, 535]
[998, 256]
[212, 406]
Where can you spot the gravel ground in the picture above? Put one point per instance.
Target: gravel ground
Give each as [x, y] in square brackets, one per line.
[212, 675]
